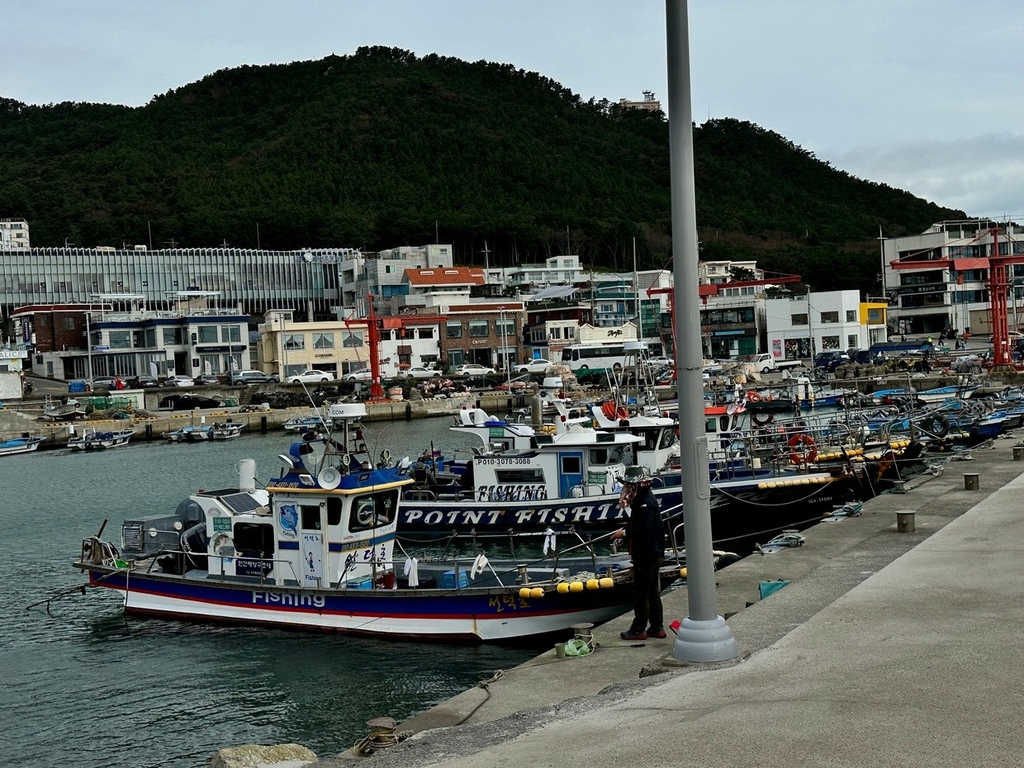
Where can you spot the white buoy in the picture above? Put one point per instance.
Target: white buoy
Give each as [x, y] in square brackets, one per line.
[247, 475]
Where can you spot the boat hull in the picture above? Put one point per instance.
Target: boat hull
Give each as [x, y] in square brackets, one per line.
[740, 510]
[467, 614]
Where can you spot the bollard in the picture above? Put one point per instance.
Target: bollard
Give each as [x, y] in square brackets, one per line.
[1018, 452]
[971, 481]
[905, 521]
[263, 424]
[560, 650]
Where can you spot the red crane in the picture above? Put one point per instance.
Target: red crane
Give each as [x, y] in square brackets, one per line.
[373, 342]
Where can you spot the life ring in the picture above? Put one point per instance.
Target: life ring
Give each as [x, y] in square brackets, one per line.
[762, 419]
[936, 424]
[753, 397]
[385, 456]
[803, 449]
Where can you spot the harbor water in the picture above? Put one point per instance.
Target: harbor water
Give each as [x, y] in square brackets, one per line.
[83, 685]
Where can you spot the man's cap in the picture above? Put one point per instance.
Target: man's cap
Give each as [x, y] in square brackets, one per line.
[634, 474]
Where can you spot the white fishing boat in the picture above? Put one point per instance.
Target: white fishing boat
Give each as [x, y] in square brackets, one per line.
[316, 549]
[98, 440]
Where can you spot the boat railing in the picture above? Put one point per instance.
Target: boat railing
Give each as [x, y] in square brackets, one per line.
[586, 489]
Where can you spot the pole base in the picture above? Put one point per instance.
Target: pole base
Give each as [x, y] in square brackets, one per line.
[705, 641]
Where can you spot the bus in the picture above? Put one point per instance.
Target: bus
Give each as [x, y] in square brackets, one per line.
[608, 354]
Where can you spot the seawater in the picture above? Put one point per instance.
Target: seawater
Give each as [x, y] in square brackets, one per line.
[83, 685]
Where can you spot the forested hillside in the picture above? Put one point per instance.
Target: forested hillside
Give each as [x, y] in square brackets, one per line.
[383, 148]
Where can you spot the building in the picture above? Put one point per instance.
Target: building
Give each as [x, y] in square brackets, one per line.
[117, 335]
[439, 288]
[798, 327]
[940, 279]
[383, 273]
[649, 103]
[14, 235]
[252, 281]
[288, 347]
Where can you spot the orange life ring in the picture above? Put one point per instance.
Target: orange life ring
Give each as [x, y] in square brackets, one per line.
[753, 397]
[804, 450]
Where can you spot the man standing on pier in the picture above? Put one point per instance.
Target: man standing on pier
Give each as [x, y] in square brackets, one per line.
[645, 534]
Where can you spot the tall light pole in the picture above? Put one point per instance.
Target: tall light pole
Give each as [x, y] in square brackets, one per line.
[703, 635]
[504, 349]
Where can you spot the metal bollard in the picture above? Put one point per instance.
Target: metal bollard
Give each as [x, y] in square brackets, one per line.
[1018, 452]
[560, 650]
[905, 521]
[971, 481]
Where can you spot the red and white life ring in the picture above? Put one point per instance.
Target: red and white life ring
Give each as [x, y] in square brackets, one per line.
[803, 449]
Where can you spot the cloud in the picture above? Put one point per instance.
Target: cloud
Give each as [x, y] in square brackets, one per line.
[980, 175]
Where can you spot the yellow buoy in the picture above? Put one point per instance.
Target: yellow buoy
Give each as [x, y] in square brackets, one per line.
[576, 586]
[524, 592]
[682, 572]
[592, 584]
[563, 588]
[607, 582]
[537, 592]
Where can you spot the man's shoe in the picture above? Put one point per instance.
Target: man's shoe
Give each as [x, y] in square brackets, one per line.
[658, 633]
[630, 634]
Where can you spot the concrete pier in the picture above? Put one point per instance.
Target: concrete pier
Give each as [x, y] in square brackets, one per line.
[881, 648]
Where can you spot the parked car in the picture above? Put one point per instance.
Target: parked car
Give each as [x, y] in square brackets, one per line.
[364, 374]
[419, 372]
[104, 382]
[179, 381]
[251, 377]
[830, 360]
[660, 361]
[143, 381]
[540, 365]
[310, 377]
[474, 369]
[208, 378]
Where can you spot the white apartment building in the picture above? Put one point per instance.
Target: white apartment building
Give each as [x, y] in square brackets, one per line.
[383, 273]
[798, 327]
[939, 279]
[14, 235]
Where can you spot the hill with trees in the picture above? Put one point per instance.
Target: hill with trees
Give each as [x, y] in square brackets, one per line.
[383, 148]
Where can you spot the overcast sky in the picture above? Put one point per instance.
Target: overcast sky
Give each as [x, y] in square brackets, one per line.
[924, 95]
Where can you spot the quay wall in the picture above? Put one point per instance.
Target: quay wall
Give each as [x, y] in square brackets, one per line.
[26, 417]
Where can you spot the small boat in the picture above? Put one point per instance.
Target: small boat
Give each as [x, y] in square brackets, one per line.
[198, 433]
[23, 444]
[64, 409]
[95, 440]
[316, 549]
[302, 423]
[941, 394]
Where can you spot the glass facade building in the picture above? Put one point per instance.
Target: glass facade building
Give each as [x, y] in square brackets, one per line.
[249, 280]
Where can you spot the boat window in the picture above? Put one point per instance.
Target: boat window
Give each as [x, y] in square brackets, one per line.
[571, 465]
[710, 425]
[723, 422]
[519, 475]
[310, 517]
[334, 505]
[373, 511]
[254, 539]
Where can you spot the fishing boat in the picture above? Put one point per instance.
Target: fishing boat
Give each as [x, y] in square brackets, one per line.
[63, 409]
[96, 440]
[301, 423]
[564, 475]
[198, 433]
[316, 549]
[23, 444]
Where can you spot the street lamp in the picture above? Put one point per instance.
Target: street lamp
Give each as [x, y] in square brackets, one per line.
[504, 349]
